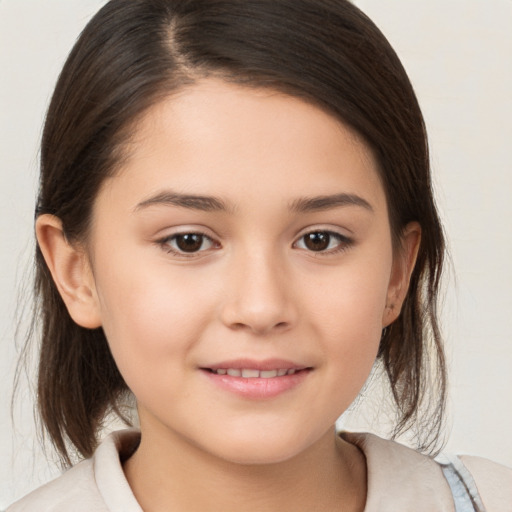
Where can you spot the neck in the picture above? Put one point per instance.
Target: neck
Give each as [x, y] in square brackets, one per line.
[176, 475]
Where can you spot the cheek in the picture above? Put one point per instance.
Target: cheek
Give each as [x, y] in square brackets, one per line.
[347, 311]
[148, 315]
[352, 298]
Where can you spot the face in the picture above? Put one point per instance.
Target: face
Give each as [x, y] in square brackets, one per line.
[241, 265]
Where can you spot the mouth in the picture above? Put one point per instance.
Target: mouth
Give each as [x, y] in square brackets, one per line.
[253, 373]
[257, 380]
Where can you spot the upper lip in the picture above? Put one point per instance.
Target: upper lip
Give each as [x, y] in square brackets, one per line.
[263, 365]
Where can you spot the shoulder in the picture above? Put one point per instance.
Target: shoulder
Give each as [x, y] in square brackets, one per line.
[493, 481]
[76, 488]
[400, 478]
[94, 485]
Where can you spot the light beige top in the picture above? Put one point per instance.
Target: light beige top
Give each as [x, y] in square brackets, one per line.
[399, 480]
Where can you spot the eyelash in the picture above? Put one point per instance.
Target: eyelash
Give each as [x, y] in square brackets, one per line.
[343, 243]
[165, 244]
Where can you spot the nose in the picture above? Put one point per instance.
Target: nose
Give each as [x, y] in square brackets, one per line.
[259, 297]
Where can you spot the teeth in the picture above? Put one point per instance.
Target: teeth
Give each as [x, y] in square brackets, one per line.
[249, 373]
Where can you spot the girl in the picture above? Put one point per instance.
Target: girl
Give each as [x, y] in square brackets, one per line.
[235, 224]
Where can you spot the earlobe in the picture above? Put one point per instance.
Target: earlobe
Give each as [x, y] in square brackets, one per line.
[70, 270]
[403, 266]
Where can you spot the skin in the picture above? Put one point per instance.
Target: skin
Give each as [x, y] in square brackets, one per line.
[254, 289]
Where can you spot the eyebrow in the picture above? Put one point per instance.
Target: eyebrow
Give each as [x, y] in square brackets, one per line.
[215, 204]
[320, 203]
[193, 202]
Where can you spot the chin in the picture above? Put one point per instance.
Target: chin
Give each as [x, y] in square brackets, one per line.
[261, 449]
[255, 456]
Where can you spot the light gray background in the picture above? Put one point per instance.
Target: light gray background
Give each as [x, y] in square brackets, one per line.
[458, 55]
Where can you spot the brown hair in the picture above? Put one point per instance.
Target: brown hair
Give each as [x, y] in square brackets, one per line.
[130, 55]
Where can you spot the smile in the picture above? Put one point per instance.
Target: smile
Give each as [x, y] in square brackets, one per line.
[248, 373]
[253, 380]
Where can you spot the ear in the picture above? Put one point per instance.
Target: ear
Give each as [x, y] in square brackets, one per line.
[71, 272]
[404, 260]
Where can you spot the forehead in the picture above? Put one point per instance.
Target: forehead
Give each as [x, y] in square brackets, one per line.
[230, 140]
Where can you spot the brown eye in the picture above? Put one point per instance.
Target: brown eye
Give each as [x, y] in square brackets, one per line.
[317, 241]
[188, 243]
[323, 241]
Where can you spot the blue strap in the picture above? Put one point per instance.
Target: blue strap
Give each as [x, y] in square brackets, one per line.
[463, 487]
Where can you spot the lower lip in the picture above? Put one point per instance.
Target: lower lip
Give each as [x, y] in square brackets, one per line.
[258, 388]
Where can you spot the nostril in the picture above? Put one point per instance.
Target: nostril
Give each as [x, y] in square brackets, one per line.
[260, 329]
